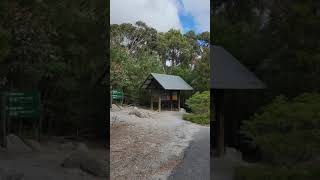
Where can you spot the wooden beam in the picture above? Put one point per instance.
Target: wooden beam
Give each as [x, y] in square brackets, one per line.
[151, 104]
[171, 101]
[4, 119]
[178, 93]
[219, 136]
[159, 106]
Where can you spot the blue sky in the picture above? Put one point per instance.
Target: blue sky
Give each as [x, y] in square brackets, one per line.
[188, 23]
[163, 14]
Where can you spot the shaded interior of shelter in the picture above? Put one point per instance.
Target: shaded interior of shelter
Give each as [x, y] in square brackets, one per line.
[236, 88]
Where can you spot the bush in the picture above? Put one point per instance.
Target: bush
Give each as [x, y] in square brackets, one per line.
[260, 172]
[287, 131]
[199, 103]
[197, 118]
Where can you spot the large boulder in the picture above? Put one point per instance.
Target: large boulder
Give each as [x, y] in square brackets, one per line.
[35, 145]
[67, 146]
[16, 144]
[233, 154]
[6, 174]
[139, 113]
[83, 161]
[81, 147]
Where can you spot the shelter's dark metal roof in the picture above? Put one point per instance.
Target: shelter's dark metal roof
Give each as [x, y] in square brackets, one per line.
[168, 82]
[228, 73]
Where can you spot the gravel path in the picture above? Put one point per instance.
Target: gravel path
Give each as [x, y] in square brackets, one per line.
[148, 148]
[45, 165]
[196, 161]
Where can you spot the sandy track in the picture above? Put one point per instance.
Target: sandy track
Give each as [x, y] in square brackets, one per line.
[148, 148]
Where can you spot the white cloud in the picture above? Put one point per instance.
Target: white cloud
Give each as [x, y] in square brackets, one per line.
[200, 10]
[160, 14]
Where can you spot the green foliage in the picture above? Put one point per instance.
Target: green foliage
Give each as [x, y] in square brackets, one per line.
[201, 73]
[197, 118]
[287, 131]
[138, 50]
[258, 172]
[57, 48]
[128, 73]
[200, 108]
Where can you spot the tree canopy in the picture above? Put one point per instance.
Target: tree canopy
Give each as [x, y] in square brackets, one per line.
[138, 50]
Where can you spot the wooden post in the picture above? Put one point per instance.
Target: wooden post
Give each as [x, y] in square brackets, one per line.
[178, 100]
[40, 127]
[110, 97]
[151, 104]
[4, 119]
[159, 106]
[219, 121]
[171, 101]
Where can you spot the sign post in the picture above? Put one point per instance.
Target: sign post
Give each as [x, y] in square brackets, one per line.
[4, 119]
[19, 105]
[117, 95]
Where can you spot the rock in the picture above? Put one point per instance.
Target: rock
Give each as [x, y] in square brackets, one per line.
[95, 167]
[6, 174]
[233, 154]
[116, 107]
[137, 113]
[15, 144]
[82, 147]
[83, 161]
[182, 110]
[67, 146]
[35, 145]
[74, 160]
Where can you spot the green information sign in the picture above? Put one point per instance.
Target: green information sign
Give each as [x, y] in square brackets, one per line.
[24, 104]
[117, 94]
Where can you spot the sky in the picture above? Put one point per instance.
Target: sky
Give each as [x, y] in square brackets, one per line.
[163, 15]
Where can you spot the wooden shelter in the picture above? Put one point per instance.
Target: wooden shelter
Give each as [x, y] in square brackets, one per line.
[165, 90]
[227, 73]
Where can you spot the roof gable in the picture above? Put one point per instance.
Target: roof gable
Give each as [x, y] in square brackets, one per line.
[167, 82]
[228, 73]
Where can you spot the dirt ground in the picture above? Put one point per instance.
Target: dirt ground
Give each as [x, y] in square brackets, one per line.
[46, 164]
[147, 148]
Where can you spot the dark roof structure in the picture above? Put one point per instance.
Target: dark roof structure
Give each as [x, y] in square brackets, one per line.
[228, 73]
[167, 82]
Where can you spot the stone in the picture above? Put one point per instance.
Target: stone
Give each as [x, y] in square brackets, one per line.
[6, 174]
[35, 145]
[95, 167]
[67, 146]
[137, 113]
[233, 154]
[16, 144]
[82, 147]
[182, 110]
[74, 160]
[83, 161]
[116, 107]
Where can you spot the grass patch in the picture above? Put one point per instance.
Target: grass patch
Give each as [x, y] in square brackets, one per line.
[197, 118]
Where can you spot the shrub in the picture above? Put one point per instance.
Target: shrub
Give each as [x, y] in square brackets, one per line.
[260, 172]
[199, 103]
[287, 131]
[197, 118]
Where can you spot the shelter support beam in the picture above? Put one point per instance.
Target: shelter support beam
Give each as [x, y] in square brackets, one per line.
[178, 100]
[151, 102]
[159, 106]
[219, 136]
